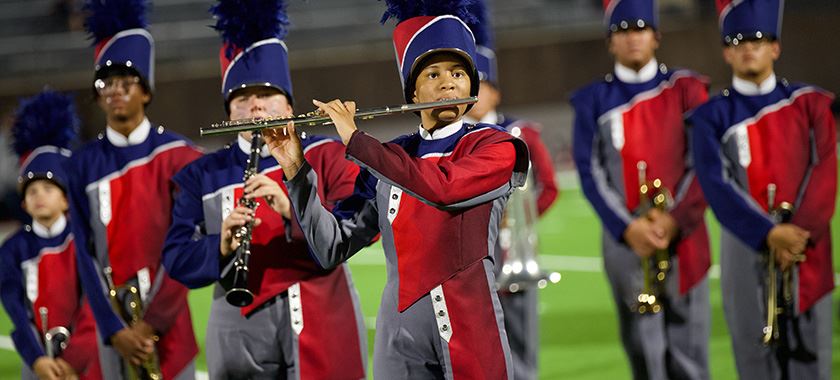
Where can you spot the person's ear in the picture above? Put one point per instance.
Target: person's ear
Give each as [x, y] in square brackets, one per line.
[727, 55]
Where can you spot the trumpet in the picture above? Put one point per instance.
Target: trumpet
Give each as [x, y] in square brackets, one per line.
[150, 368]
[56, 338]
[238, 294]
[782, 213]
[518, 237]
[652, 195]
[315, 118]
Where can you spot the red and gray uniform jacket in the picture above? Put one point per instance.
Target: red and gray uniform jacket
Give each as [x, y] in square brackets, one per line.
[121, 202]
[786, 137]
[40, 271]
[436, 199]
[618, 124]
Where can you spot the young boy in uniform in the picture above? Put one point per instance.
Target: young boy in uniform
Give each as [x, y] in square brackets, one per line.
[38, 279]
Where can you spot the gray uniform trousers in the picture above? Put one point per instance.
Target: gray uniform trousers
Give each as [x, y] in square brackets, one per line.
[522, 326]
[672, 344]
[113, 366]
[743, 284]
[261, 346]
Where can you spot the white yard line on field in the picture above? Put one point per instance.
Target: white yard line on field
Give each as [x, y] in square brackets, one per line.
[6, 343]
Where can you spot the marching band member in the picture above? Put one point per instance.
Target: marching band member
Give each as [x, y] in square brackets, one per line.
[38, 280]
[520, 308]
[436, 197]
[121, 197]
[761, 142]
[629, 124]
[305, 321]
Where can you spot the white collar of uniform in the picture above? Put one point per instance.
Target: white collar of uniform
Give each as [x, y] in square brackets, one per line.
[56, 229]
[137, 136]
[491, 117]
[628, 75]
[748, 88]
[443, 132]
[245, 146]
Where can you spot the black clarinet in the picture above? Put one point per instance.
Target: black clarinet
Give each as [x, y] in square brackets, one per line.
[239, 295]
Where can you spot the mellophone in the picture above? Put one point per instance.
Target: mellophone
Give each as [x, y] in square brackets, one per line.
[238, 293]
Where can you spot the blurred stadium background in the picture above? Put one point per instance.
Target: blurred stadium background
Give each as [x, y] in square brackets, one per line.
[338, 49]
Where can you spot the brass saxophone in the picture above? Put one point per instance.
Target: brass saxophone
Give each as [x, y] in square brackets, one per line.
[150, 368]
[782, 213]
[239, 295]
[652, 195]
[56, 338]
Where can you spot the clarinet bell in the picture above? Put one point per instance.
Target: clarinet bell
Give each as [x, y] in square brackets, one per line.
[239, 297]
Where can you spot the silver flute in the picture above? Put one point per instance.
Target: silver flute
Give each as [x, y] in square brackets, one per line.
[315, 118]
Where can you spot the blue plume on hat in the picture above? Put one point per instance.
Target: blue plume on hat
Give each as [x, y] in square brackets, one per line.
[402, 10]
[243, 22]
[48, 118]
[109, 17]
[481, 28]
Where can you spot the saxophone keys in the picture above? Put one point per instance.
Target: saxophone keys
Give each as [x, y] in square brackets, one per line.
[660, 276]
